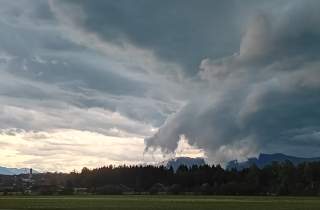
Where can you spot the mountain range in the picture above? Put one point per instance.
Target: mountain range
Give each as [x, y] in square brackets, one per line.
[267, 159]
[15, 171]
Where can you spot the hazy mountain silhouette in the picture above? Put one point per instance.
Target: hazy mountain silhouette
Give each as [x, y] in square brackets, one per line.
[15, 171]
[267, 159]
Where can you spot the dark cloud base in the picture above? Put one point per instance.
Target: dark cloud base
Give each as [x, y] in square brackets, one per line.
[266, 96]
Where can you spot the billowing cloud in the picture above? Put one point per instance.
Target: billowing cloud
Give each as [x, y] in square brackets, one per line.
[263, 98]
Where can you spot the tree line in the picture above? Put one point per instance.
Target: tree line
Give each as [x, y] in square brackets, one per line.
[275, 179]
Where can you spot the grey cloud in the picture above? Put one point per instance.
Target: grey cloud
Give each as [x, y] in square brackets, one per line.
[76, 71]
[180, 31]
[22, 41]
[97, 120]
[266, 96]
[47, 76]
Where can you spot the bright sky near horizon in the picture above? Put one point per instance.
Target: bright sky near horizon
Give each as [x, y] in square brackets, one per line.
[68, 150]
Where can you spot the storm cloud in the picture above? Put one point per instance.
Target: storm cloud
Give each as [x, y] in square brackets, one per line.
[233, 78]
[265, 97]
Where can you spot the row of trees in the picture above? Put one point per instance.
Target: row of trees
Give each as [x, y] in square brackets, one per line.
[275, 179]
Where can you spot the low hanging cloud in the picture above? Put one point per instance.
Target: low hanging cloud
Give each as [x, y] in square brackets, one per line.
[263, 98]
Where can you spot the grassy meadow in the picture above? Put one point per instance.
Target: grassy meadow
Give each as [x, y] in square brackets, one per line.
[159, 203]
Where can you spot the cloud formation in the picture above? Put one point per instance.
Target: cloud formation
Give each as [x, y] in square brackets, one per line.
[57, 78]
[263, 98]
[234, 78]
[169, 28]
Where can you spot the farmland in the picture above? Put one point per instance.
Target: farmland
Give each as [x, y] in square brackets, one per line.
[159, 202]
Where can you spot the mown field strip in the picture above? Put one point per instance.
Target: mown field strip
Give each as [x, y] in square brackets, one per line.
[160, 202]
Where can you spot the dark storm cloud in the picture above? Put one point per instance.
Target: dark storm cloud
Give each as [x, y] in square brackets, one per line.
[264, 98]
[179, 31]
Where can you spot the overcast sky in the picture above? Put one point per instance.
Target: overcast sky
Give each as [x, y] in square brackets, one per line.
[91, 83]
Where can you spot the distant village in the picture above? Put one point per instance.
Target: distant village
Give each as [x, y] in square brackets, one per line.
[33, 184]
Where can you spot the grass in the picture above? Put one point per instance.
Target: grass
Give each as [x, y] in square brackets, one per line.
[159, 203]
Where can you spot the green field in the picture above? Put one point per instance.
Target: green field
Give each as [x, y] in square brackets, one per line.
[160, 202]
